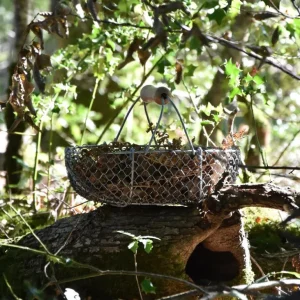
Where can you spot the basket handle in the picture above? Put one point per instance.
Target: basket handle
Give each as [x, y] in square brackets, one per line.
[161, 96]
[165, 99]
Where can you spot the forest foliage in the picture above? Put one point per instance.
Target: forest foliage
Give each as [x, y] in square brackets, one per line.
[210, 54]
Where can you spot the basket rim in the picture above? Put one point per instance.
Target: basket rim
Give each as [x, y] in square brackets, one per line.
[154, 149]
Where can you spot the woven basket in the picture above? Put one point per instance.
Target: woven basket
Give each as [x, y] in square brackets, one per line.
[162, 174]
[124, 175]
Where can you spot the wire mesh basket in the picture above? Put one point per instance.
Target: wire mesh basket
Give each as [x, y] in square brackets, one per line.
[123, 174]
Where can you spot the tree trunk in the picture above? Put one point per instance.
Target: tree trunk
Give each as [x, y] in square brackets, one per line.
[184, 251]
[12, 167]
[203, 245]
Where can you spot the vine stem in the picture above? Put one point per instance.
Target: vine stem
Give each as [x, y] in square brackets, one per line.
[49, 160]
[136, 276]
[90, 108]
[35, 166]
[37, 152]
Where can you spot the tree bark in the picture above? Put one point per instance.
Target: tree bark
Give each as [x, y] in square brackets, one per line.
[11, 165]
[203, 245]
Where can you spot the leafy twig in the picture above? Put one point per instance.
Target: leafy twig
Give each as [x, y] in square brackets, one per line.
[234, 46]
[125, 24]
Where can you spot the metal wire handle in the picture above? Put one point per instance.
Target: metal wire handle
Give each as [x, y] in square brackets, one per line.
[163, 98]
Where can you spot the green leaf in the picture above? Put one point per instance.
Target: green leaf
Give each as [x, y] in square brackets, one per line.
[162, 64]
[216, 117]
[195, 44]
[235, 91]
[148, 244]
[258, 80]
[235, 8]
[291, 29]
[218, 15]
[297, 275]
[266, 98]
[248, 78]
[210, 4]
[190, 70]
[111, 44]
[233, 73]
[148, 287]
[206, 109]
[207, 122]
[231, 69]
[133, 246]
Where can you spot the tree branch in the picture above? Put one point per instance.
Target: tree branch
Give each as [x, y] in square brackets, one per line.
[268, 61]
[234, 197]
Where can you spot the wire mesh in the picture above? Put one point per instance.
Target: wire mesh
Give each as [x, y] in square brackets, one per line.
[125, 174]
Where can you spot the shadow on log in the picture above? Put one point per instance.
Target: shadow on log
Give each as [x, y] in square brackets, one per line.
[92, 239]
[202, 246]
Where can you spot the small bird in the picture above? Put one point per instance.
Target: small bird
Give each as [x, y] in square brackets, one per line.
[149, 94]
[162, 93]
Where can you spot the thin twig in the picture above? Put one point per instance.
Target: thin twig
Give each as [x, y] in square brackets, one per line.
[126, 24]
[136, 276]
[286, 147]
[180, 296]
[269, 167]
[90, 108]
[99, 272]
[296, 7]
[10, 288]
[31, 230]
[234, 46]
[258, 267]
[280, 12]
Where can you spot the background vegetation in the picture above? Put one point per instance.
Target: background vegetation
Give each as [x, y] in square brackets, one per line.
[208, 53]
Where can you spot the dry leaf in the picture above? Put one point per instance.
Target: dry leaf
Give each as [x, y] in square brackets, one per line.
[36, 48]
[143, 56]
[36, 29]
[275, 36]
[29, 120]
[265, 15]
[179, 70]
[134, 46]
[230, 140]
[43, 61]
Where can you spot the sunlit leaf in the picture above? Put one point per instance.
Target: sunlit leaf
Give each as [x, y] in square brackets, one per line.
[148, 287]
[207, 122]
[133, 246]
[148, 244]
[258, 80]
